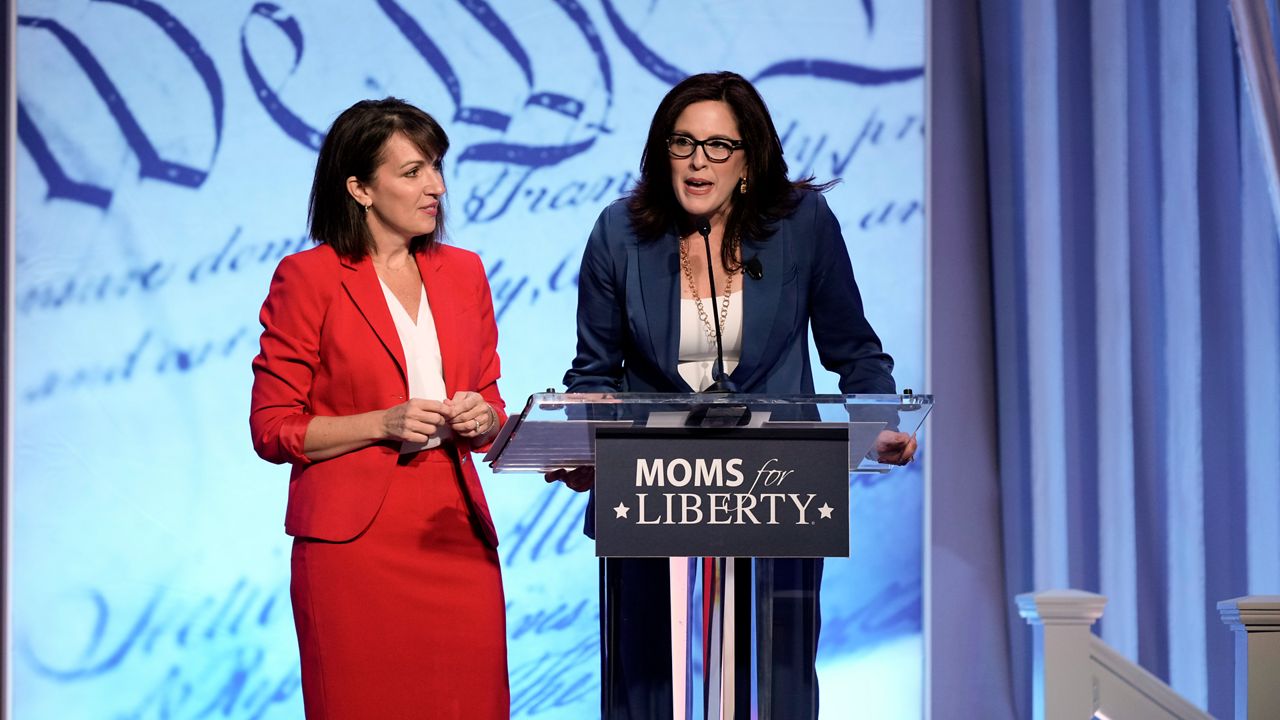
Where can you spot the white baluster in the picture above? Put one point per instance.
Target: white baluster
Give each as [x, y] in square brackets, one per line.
[1256, 623]
[1063, 685]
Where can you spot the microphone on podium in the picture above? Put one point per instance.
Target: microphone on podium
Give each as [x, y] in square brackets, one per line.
[721, 383]
[716, 415]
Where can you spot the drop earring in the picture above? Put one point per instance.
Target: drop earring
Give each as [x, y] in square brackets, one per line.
[742, 186]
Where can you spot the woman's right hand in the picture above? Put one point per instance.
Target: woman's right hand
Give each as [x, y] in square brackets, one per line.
[417, 420]
[579, 479]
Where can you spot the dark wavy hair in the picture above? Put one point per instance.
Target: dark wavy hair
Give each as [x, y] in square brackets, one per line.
[770, 195]
[354, 148]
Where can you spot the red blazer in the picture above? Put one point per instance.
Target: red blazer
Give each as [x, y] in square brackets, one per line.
[330, 347]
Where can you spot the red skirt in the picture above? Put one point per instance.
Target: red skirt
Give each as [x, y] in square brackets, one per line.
[408, 619]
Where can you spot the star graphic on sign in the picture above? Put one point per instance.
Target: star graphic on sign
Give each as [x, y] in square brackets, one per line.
[825, 511]
[621, 511]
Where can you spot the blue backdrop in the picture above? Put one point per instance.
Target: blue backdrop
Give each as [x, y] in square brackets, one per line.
[164, 156]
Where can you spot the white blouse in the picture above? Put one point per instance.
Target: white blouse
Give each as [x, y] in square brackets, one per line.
[421, 356]
[697, 353]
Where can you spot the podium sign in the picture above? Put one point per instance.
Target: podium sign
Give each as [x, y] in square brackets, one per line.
[746, 492]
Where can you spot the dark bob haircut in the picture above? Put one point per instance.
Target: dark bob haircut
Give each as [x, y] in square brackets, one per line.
[354, 148]
[770, 195]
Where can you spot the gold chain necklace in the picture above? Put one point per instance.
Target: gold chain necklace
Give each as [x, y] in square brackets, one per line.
[707, 327]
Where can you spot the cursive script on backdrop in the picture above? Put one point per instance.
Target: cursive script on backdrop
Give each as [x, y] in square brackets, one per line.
[535, 145]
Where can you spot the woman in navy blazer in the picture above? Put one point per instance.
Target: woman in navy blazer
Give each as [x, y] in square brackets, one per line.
[643, 326]
[377, 379]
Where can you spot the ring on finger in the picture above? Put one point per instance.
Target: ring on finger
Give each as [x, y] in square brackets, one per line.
[475, 424]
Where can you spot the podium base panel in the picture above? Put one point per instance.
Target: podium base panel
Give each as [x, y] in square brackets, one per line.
[749, 646]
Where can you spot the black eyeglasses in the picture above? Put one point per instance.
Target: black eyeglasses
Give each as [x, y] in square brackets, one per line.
[717, 150]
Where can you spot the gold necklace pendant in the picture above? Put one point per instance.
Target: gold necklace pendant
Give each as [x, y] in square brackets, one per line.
[707, 327]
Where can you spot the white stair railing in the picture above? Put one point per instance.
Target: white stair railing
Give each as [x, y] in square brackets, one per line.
[1256, 623]
[1078, 676]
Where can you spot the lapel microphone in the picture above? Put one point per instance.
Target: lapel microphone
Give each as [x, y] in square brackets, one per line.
[754, 268]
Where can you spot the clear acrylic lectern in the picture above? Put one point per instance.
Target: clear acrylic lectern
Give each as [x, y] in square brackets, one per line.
[710, 481]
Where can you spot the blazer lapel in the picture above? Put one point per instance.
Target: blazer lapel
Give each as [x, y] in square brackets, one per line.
[443, 295]
[657, 275]
[361, 282]
[760, 301]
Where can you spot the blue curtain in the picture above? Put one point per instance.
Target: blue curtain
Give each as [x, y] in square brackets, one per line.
[1137, 324]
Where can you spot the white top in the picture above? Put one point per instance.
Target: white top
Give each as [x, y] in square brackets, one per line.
[421, 356]
[697, 353]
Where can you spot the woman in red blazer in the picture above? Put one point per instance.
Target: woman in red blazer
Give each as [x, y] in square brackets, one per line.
[376, 380]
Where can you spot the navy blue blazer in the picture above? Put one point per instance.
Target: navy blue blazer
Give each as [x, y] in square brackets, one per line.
[629, 299]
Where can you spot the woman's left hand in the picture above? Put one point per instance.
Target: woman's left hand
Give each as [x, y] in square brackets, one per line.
[469, 415]
[895, 448]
